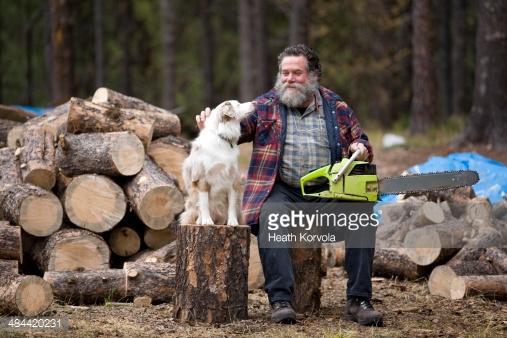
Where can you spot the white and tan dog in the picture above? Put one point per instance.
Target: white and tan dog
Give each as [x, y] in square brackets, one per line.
[210, 172]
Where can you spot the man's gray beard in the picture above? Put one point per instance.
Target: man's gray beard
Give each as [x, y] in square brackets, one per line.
[299, 94]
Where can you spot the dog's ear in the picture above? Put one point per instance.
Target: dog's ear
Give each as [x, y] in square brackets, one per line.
[227, 112]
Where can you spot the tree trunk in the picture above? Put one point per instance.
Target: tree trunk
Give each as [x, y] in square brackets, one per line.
[155, 239]
[212, 273]
[166, 254]
[10, 242]
[112, 154]
[208, 50]
[394, 262]
[488, 286]
[423, 73]
[488, 117]
[105, 203]
[299, 21]
[443, 9]
[62, 52]
[24, 295]
[87, 117]
[125, 33]
[9, 169]
[262, 74]
[5, 128]
[154, 196]
[72, 250]
[37, 158]
[124, 241]
[36, 210]
[458, 56]
[306, 264]
[154, 280]
[88, 287]
[99, 50]
[169, 153]
[246, 52]
[168, 23]
[166, 123]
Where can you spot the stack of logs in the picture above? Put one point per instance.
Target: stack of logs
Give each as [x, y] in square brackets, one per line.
[456, 239]
[85, 187]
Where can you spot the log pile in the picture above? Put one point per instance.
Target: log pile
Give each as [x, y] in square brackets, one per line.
[455, 239]
[86, 206]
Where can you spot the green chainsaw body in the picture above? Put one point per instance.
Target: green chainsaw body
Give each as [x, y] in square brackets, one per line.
[359, 182]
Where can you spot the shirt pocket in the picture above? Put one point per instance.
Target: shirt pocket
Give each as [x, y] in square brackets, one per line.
[266, 132]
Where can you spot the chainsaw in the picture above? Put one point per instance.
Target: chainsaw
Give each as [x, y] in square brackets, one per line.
[353, 180]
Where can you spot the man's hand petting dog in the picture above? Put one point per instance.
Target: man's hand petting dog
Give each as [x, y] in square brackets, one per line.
[200, 119]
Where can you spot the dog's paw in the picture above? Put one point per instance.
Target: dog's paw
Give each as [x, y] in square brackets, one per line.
[206, 221]
[232, 221]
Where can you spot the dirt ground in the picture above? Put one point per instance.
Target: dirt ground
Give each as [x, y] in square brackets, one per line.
[409, 309]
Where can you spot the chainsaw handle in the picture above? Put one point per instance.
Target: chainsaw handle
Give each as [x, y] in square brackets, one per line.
[342, 169]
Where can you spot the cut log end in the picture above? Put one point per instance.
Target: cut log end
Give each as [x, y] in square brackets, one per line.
[124, 241]
[94, 202]
[439, 280]
[457, 289]
[41, 215]
[43, 178]
[33, 296]
[128, 154]
[160, 206]
[423, 247]
[100, 95]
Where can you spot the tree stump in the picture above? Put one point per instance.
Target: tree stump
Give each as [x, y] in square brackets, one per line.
[154, 280]
[94, 202]
[37, 158]
[36, 210]
[10, 242]
[154, 196]
[88, 287]
[72, 250]
[166, 123]
[169, 153]
[112, 154]
[9, 169]
[24, 295]
[87, 117]
[212, 273]
[124, 241]
[306, 264]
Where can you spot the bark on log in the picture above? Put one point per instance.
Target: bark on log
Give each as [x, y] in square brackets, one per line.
[478, 209]
[88, 287]
[154, 280]
[498, 259]
[36, 210]
[154, 196]
[94, 202]
[166, 123]
[87, 117]
[15, 114]
[10, 242]
[457, 198]
[8, 267]
[166, 254]
[499, 209]
[394, 262]
[5, 128]
[488, 286]
[434, 244]
[72, 250]
[155, 239]
[37, 158]
[112, 154]
[24, 295]
[169, 153]
[9, 169]
[306, 264]
[124, 241]
[212, 273]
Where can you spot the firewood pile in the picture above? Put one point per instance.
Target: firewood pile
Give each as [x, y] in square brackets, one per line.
[90, 193]
[455, 239]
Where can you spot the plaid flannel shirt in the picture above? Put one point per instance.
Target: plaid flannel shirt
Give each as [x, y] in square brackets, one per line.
[267, 127]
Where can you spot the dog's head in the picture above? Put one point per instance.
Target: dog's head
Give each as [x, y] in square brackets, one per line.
[229, 113]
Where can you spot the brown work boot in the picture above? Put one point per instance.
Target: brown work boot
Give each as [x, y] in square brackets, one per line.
[360, 310]
[282, 312]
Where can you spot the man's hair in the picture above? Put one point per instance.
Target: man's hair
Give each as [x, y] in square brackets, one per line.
[307, 52]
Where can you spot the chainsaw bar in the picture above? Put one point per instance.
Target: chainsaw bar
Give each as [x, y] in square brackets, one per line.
[427, 182]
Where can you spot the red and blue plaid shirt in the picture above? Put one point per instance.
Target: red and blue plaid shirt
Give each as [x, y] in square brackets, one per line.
[267, 126]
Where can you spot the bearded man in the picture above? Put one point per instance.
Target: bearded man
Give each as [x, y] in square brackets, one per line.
[299, 126]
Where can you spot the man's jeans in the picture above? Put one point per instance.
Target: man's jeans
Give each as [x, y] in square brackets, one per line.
[277, 264]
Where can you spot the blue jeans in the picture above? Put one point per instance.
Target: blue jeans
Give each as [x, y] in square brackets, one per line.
[277, 262]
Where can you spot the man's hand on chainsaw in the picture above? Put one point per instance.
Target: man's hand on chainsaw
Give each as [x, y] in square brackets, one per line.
[200, 119]
[363, 155]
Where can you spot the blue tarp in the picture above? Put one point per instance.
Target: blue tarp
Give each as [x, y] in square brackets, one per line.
[35, 110]
[492, 174]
